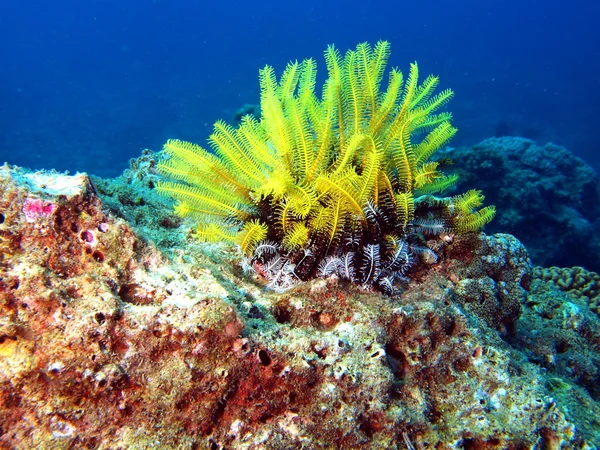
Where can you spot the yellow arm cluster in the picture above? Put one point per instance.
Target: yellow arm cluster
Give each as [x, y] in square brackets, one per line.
[319, 161]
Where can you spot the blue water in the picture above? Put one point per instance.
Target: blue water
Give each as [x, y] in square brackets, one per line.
[85, 85]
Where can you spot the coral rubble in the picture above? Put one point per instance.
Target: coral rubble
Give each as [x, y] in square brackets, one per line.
[108, 342]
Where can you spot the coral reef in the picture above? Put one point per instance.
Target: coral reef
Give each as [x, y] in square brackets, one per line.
[108, 342]
[548, 198]
[494, 283]
[577, 281]
[558, 331]
[340, 184]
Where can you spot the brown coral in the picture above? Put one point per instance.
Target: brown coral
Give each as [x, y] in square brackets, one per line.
[577, 281]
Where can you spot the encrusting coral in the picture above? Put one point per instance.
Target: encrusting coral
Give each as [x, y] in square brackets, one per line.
[341, 184]
[577, 281]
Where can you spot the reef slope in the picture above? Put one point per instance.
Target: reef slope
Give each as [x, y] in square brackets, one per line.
[108, 340]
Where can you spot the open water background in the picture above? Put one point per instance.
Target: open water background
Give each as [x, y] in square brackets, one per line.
[85, 85]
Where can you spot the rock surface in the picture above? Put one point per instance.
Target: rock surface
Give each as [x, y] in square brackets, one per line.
[108, 341]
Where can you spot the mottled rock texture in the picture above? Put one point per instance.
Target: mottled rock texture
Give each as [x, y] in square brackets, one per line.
[107, 341]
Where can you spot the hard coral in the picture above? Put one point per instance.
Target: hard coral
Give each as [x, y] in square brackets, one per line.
[574, 280]
[547, 197]
[559, 331]
[340, 184]
[490, 285]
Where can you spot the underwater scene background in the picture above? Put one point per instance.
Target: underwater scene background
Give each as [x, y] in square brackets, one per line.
[394, 283]
[86, 85]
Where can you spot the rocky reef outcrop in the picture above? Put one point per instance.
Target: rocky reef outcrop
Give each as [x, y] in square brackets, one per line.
[545, 196]
[120, 333]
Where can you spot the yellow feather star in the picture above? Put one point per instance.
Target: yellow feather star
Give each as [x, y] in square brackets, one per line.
[335, 177]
